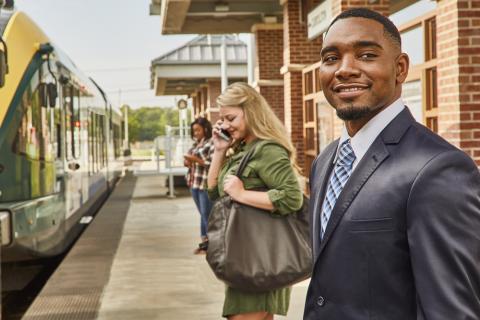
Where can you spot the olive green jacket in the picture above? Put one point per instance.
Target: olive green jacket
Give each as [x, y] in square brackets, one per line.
[269, 168]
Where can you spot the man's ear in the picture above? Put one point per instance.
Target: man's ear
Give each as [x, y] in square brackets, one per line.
[402, 64]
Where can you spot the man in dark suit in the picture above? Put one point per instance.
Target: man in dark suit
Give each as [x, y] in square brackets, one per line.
[395, 208]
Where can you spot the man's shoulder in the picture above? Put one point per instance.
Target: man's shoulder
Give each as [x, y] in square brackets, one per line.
[425, 140]
[420, 146]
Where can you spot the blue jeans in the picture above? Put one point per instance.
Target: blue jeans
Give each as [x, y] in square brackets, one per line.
[204, 205]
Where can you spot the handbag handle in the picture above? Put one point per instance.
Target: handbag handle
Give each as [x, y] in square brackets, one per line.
[245, 159]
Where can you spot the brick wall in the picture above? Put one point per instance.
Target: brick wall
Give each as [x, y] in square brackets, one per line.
[458, 47]
[341, 5]
[274, 96]
[269, 52]
[214, 90]
[298, 52]
[297, 48]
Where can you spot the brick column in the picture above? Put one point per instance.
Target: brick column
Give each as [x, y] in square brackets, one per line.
[298, 52]
[194, 104]
[381, 6]
[458, 46]
[214, 90]
[269, 60]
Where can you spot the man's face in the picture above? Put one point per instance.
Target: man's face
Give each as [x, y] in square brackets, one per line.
[362, 69]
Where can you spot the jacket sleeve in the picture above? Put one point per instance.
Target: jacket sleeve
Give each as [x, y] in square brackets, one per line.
[276, 171]
[443, 228]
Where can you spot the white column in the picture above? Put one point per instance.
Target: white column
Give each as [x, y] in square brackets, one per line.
[251, 59]
[223, 63]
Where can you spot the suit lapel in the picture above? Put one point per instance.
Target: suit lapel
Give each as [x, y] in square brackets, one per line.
[375, 155]
[360, 175]
[322, 175]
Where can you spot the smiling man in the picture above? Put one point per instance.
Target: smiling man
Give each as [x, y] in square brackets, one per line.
[395, 208]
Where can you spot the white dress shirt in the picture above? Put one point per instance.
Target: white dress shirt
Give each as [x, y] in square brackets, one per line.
[364, 138]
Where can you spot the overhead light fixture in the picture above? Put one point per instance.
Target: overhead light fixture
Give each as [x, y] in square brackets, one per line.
[222, 7]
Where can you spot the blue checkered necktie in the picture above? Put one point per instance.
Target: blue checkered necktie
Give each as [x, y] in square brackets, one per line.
[341, 173]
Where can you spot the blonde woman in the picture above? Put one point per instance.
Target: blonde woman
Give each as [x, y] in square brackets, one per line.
[248, 120]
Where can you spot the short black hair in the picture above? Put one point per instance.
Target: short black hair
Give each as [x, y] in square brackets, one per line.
[388, 27]
[205, 124]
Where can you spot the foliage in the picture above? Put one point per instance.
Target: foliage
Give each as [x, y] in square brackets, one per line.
[146, 123]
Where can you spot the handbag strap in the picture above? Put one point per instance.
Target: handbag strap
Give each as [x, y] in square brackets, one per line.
[245, 159]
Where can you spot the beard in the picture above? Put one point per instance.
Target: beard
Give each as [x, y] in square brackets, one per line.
[353, 113]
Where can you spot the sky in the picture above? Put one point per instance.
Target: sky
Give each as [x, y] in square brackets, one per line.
[113, 41]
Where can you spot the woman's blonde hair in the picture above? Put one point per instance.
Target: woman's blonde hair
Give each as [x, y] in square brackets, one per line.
[262, 122]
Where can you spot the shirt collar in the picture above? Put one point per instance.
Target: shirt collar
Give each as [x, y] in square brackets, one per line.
[364, 138]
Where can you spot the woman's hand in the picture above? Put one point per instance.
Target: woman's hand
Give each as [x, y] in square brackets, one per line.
[233, 186]
[190, 158]
[219, 143]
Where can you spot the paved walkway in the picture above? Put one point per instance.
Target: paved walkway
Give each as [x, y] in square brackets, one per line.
[155, 275]
[152, 274]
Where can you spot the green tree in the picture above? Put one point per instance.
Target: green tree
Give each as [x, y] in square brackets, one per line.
[147, 123]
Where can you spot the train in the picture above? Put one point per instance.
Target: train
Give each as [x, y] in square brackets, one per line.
[61, 143]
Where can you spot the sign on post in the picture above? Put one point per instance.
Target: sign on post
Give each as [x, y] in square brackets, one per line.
[319, 19]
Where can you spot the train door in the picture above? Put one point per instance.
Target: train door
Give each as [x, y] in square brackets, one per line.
[73, 163]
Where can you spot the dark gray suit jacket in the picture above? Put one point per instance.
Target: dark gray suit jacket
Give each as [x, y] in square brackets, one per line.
[403, 240]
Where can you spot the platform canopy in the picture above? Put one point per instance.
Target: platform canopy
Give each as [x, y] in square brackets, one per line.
[183, 70]
[214, 17]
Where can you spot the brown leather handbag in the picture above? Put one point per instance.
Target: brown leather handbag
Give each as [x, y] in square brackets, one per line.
[253, 250]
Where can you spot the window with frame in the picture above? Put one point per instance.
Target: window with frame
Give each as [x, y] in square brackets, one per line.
[417, 25]
[36, 136]
[420, 88]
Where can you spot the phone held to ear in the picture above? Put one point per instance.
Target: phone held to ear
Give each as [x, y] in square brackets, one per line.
[224, 134]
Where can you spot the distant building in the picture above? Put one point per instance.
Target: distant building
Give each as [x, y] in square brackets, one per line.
[194, 70]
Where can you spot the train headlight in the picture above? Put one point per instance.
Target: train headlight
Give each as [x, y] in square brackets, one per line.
[5, 227]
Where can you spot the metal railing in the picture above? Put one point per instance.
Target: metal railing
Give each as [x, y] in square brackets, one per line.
[172, 146]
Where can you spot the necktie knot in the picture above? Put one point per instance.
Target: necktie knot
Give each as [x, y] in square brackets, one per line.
[346, 156]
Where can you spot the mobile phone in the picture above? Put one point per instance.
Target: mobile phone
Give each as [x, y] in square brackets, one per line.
[224, 134]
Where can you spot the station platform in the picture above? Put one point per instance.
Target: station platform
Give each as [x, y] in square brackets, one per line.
[135, 261]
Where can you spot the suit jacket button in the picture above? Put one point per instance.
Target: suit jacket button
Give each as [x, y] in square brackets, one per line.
[320, 301]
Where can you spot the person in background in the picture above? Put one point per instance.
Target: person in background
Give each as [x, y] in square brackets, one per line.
[247, 121]
[395, 208]
[198, 160]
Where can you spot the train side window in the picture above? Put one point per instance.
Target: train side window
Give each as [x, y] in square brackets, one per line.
[99, 141]
[33, 138]
[76, 121]
[91, 143]
[67, 107]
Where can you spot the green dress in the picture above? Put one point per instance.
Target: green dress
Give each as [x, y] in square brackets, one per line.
[269, 167]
